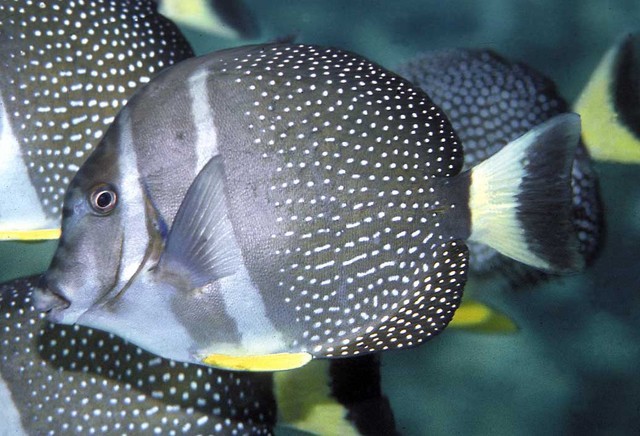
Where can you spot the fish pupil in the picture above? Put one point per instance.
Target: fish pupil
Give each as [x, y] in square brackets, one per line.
[104, 199]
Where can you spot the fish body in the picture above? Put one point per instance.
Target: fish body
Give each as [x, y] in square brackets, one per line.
[72, 379]
[610, 104]
[491, 101]
[287, 202]
[66, 70]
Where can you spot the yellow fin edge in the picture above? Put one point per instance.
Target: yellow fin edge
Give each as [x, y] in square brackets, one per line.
[264, 362]
[29, 235]
[475, 316]
[604, 135]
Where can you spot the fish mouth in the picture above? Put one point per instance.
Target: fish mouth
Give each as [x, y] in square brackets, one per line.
[49, 299]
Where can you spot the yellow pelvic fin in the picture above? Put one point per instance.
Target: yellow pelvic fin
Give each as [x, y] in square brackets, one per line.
[604, 135]
[475, 316]
[305, 402]
[264, 362]
[29, 235]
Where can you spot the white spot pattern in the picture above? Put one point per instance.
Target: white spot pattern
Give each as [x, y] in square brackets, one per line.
[350, 150]
[72, 65]
[71, 379]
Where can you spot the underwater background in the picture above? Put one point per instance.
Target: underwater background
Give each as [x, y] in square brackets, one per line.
[573, 367]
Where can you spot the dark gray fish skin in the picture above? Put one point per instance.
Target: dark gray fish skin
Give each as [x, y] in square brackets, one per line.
[66, 68]
[73, 379]
[490, 101]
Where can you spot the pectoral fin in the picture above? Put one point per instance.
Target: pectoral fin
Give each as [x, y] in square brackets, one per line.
[201, 244]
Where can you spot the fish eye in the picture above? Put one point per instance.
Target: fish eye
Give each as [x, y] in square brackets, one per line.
[103, 199]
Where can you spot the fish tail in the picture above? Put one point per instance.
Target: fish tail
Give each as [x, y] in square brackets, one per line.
[520, 199]
[609, 104]
[335, 397]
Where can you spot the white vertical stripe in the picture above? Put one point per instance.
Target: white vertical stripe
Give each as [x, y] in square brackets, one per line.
[243, 302]
[136, 237]
[20, 207]
[203, 118]
[9, 415]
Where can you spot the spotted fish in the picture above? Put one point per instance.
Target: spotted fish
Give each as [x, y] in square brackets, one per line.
[285, 202]
[72, 379]
[67, 68]
[491, 101]
[610, 104]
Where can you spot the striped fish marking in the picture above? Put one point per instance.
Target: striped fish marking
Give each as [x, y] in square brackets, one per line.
[329, 221]
[71, 379]
[67, 68]
[609, 104]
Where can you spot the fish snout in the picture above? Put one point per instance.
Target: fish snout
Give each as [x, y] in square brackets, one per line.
[48, 298]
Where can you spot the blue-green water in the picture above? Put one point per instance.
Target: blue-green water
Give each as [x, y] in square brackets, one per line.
[573, 367]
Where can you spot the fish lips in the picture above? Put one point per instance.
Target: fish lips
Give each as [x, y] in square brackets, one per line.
[48, 299]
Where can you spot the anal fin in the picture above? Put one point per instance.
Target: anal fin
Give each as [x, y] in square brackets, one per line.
[264, 362]
[29, 235]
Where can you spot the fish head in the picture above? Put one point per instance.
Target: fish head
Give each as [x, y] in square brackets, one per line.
[104, 234]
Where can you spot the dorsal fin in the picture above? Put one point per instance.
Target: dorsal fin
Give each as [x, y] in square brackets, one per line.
[201, 245]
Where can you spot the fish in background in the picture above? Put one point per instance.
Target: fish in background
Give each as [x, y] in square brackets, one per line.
[328, 219]
[226, 18]
[491, 101]
[67, 68]
[72, 379]
[610, 104]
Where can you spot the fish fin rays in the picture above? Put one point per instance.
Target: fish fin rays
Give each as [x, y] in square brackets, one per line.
[201, 244]
[520, 198]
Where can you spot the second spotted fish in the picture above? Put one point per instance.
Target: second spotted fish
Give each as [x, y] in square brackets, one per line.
[262, 206]
[66, 68]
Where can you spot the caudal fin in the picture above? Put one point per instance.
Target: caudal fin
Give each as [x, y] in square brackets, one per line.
[610, 104]
[520, 198]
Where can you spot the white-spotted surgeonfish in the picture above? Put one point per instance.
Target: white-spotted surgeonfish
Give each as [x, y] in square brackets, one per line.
[490, 102]
[610, 104]
[67, 69]
[59, 379]
[261, 206]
